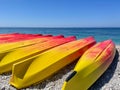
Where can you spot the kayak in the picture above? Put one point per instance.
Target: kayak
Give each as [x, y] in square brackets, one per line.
[91, 66]
[26, 52]
[19, 37]
[12, 35]
[38, 68]
[8, 35]
[7, 47]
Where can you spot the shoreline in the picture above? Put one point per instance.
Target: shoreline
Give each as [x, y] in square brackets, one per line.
[110, 80]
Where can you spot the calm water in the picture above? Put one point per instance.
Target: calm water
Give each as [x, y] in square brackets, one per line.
[100, 34]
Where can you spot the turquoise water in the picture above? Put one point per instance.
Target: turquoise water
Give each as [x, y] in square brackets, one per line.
[100, 34]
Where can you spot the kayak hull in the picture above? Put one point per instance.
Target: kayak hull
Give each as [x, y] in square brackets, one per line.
[91, 66]
[44, 65]
[26, 52]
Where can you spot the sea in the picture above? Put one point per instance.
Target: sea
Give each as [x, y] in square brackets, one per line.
[100, 34]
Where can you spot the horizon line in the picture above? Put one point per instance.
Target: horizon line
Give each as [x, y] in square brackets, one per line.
[55, 27]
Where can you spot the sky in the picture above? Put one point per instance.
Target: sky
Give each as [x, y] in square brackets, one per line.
[59, 13]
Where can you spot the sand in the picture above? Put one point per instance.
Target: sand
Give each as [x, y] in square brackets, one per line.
[110, 80]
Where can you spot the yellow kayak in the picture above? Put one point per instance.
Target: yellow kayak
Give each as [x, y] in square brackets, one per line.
[40, 67]
[20, 37]
[7, 47]
[26, 52]
[91, 66]
[8, 35]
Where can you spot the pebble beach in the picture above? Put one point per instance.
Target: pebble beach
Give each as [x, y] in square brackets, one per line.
[110, 80]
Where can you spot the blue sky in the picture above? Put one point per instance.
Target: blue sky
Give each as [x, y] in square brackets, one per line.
[59, 13]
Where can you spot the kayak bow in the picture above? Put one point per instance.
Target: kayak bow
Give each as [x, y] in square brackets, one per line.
[91, 66]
